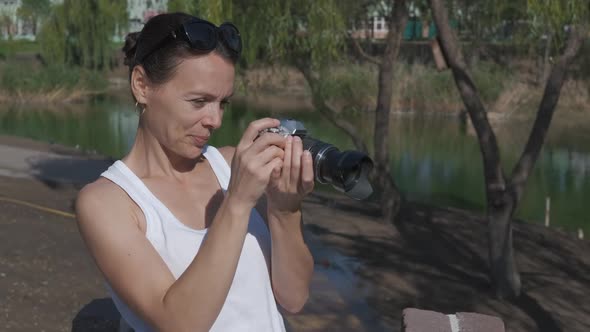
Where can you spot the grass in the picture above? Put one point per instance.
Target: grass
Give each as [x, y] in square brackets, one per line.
[9, 48]
[416, 87]
[24, 82]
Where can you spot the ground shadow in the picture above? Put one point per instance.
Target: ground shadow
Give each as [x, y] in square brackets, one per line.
[438, 261]
[56, 172]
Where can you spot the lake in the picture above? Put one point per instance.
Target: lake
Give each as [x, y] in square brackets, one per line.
[435, 159]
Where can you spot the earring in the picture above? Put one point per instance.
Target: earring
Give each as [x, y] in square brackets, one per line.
[142, 108]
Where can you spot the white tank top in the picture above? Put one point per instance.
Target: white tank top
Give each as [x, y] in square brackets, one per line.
[250, 304]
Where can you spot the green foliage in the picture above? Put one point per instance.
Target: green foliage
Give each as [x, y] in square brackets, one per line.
[352, 85]
[5, 23]
[306, 32]
[80, 32]
[491, 80]
[423, 82]
[485, 20]
[10, 47]
[33, 11]
[216, 11]
[552, 17]
[52, 36]
[185, 6]
[17, 77]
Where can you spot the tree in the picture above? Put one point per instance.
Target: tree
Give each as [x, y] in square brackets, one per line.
[6, 24]
[396, 15]
[310, 36]
[181, 6]
[80, 32]
[32, 11]
[503, 193]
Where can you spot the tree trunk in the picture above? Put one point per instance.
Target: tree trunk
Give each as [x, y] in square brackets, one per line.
[546, 59]
[504, 274]
[390, 197]
[503, 196]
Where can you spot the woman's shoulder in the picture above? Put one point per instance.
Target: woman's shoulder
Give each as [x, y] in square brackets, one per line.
[101, 189]
[101, 199]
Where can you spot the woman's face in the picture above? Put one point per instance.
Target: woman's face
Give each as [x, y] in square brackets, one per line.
[183, 112]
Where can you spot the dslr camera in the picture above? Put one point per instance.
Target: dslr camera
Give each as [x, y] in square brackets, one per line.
[346, 171]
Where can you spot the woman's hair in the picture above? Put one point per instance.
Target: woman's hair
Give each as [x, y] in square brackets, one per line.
[161, 62]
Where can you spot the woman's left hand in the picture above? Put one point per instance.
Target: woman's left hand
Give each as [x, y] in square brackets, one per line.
[295, 180]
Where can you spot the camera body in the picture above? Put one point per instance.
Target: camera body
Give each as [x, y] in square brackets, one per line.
[346, 171]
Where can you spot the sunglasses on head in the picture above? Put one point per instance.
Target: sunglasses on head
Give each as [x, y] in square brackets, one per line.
[204, 36]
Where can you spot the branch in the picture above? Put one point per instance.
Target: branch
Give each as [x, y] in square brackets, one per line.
[320, 104]
[494, 174]
[545, 112]
[362, 52]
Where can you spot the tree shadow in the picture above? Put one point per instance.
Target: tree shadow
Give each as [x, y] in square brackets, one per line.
[438, 261]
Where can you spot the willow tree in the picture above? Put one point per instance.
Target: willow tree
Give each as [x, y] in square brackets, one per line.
[33, 11]
[81, 32]
[311, 36]
[504, 192]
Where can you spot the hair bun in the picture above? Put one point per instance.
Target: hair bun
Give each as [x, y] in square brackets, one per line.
[130, 47]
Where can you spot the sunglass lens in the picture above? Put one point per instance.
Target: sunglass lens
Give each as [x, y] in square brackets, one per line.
[202, 35]
[232, 38]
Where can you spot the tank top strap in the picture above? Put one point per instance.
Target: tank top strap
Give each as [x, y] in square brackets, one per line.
[219, 165]
[121, 175]
[118, 173]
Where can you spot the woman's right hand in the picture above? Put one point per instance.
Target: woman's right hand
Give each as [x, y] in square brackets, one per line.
[254, 161]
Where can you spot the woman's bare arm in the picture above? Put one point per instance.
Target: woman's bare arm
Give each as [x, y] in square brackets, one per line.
[136, 271]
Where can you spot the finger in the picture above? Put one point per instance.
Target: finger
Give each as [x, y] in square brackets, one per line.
[296, 153]
[286, 172]
[266, 140]
[307, 176]
[276, 174]
[272, 166]
[267, 155]
[255, 127]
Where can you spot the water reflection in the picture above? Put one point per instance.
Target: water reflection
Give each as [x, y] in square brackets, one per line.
[434, 159]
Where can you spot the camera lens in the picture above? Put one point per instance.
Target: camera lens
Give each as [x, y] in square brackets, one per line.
[346, 171]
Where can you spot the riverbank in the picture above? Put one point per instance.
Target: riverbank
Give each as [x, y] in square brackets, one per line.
[435, 258]
[507, 91]
[417, 89]
[27, 80]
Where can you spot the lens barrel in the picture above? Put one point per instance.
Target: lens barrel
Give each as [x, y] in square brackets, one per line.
[346, 171]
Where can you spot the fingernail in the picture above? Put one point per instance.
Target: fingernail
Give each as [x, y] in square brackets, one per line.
[307, 153]
[289, 138]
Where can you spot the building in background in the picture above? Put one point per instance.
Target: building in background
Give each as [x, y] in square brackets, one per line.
[375, 26]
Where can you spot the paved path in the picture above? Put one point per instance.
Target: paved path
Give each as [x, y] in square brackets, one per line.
[22, 162]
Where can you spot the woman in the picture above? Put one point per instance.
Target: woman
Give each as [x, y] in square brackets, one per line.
[180, 242]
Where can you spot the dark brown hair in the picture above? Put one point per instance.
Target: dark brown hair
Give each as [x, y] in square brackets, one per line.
[161, 63]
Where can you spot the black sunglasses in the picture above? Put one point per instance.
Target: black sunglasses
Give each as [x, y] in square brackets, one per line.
[204, 36]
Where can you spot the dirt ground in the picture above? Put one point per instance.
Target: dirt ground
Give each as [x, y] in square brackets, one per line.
[433, 258]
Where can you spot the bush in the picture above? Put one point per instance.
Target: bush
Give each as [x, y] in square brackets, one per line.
[17, 77]
[352, 86]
